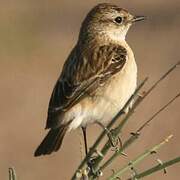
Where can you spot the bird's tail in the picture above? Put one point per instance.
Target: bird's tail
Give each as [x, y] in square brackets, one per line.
[52, 142]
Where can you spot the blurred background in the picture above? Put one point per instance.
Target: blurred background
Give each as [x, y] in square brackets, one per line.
[35, 39]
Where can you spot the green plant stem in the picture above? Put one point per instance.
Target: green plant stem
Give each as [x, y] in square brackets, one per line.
[119, 152]
[158, 112]
[139, 159]
[107, 145]
[157, 168]
[136, 134]
[12, 174]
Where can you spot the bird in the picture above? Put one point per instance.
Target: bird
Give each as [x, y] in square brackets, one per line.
[97, 79]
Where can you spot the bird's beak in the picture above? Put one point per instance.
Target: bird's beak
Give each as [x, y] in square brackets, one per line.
[138, 18]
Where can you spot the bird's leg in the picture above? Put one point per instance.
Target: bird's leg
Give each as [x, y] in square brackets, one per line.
[90, 161]
[85, 140]
[113, 140]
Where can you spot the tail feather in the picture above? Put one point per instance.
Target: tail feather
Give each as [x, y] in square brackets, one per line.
[52, 142]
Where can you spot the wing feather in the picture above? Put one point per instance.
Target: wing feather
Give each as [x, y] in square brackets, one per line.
[83, 73]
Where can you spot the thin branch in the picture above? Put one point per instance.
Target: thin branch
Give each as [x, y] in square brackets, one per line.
[139, 159]
[119, 152]
[136, 134]
[163, 77]
[12, 174]
[157, 168]
[158, 112]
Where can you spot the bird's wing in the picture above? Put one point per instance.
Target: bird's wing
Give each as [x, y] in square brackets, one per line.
[82, 74]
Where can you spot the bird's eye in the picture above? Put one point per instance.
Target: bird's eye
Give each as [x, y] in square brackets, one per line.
[118, 20]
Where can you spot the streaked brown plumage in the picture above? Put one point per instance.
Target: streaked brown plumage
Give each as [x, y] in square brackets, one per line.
[100, 58]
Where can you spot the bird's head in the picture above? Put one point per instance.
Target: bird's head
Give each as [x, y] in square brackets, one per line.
[107, 21]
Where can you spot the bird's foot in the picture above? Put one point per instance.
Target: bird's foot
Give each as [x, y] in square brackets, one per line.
[115, 140]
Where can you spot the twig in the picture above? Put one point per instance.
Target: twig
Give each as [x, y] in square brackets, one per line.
[163, 77]
[139, 159]
[157, 168]
[160, 110]
[12, 174]
[136, 134]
